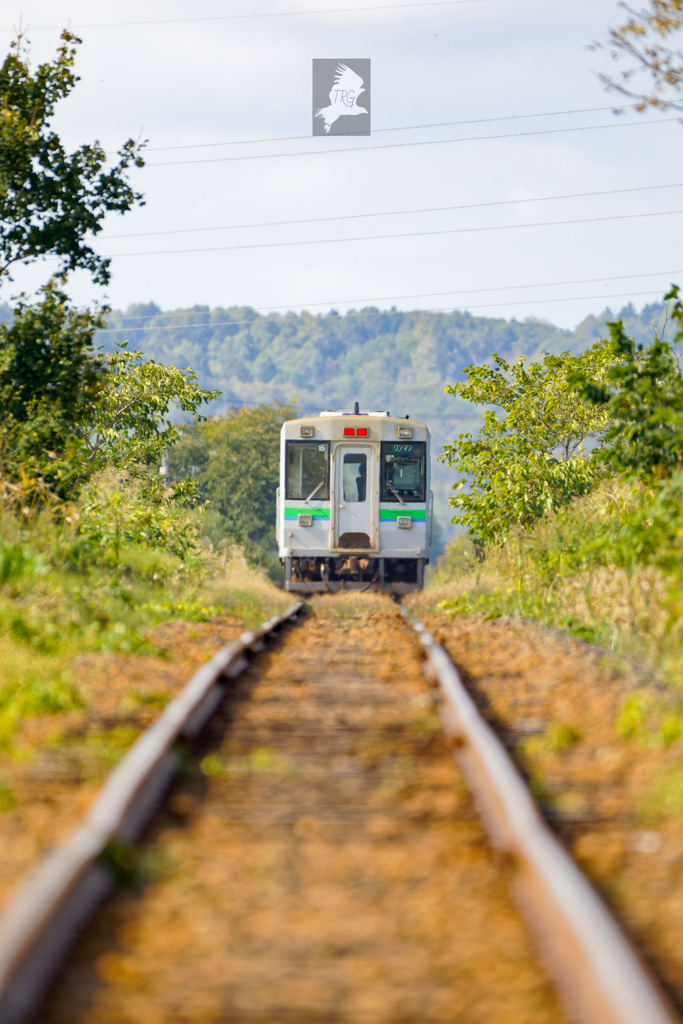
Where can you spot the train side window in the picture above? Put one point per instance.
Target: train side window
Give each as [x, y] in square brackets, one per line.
[308, 470]
[355, 477]
[403, 472]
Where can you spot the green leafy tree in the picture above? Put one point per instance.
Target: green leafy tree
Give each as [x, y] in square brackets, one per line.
[130, 422]
[532, 460]
[50, 376]
[643, 397]
[50, 200]
[235, 461]
[642, 40]
[67, 410]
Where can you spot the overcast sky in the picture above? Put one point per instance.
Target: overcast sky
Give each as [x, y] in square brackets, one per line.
[226, 78]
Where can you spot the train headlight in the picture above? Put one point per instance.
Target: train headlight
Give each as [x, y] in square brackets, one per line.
[305, 519]
[404, 522]
[405, 432]
[306, 431]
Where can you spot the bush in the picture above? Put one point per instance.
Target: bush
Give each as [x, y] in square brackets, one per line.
[535, 459]
[118, 509]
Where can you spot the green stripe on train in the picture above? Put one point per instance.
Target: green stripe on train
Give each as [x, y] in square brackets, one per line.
[317, 513]
[390, 514]
[385, 514]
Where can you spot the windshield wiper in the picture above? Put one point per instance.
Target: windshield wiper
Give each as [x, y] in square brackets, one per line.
[314, 491]
[392, 488]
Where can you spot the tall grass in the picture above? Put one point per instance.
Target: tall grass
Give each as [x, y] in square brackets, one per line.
[609, 571]
[580, 571]
[96, 577]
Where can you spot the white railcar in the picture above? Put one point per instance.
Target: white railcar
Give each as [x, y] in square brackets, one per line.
[354, 507]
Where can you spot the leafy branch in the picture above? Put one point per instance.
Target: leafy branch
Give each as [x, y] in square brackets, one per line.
[130, 422]
[637, 39]
[643, 396]
[51, 200]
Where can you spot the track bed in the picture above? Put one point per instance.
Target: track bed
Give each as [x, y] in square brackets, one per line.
[319, 860]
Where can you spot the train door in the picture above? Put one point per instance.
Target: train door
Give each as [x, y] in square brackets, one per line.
[354, 492]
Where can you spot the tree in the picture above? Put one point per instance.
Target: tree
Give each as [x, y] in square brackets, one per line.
[534, 460]
[67, 410]
[129, 422]
[50, 199]
[643, 397]
[50, 376]
[235, 460]
[638, 39]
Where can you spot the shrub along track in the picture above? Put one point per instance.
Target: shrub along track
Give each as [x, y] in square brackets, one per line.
[318, 860]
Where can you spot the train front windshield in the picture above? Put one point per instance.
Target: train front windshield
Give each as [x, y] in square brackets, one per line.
[403, 471]
[308, 473]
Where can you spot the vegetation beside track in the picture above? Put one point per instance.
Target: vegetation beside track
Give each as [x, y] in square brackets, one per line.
[98, 631]
[76, 592]
[585, 539]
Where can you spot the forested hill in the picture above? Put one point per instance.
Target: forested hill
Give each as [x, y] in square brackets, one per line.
[396, 360]
[383, 359]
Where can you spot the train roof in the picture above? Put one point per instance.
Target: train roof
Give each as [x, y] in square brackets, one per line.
[372, 425]
[375, 413]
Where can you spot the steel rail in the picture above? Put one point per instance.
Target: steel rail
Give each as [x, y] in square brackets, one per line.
[599, 975]
[41, 921]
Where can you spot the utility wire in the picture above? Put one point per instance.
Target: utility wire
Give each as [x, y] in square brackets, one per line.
[424, 295]
[400, 128]
[404, 234]
[242, 403]
[403, 145]
[392, 213]
[443, 309]
[263, 14]
[237, 403]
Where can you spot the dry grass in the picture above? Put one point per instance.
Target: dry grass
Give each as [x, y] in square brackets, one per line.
[241, 590]
[629, 612]
[350, 604]
[53, 615]
[636, 612]
[468, 583]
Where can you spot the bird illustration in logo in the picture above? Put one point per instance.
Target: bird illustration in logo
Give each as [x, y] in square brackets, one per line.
[346, 89]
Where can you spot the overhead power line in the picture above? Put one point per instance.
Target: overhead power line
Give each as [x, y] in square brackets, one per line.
[403, 234]
[432, 295]
[399, 128]
[364, 313]
[391, 213]
[261, 14]
[239, 403]
[403, 145]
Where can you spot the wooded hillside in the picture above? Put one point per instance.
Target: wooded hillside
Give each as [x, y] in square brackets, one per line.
[394, 359]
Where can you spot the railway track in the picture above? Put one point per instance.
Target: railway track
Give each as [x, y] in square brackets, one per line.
[319, 859]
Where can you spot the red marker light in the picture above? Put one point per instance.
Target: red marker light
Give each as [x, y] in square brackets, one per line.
[362, 431]
[349, 432]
